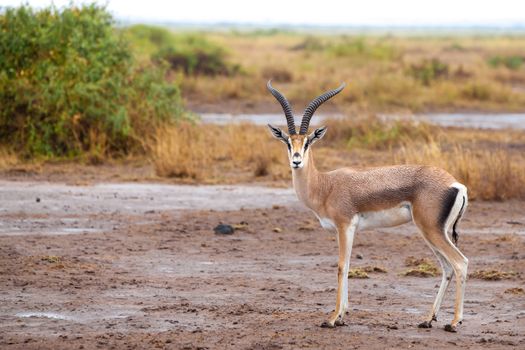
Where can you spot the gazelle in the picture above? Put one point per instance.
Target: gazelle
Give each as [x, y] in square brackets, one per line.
[350, 200]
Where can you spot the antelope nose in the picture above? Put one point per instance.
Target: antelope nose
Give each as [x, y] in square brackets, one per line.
[296, 162]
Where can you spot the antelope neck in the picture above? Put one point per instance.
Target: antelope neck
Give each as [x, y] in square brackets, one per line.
[306, 180]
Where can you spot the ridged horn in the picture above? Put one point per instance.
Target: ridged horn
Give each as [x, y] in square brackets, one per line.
[310, 110]
[287, 108]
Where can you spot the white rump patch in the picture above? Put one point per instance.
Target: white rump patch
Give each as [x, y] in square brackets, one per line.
[462, 188]
[398, 215]
[456, 208]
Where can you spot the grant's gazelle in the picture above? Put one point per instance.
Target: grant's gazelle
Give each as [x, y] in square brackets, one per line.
[349, 200]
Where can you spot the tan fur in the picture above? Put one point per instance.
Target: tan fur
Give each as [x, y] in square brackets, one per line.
[342, 196]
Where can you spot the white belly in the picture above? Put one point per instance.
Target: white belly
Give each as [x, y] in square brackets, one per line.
[398, 215]
[327, 223]
[385, 218]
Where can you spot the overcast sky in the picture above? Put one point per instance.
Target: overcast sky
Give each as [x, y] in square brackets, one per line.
[322, 12]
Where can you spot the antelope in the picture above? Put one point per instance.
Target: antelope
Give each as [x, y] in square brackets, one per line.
[349, 200]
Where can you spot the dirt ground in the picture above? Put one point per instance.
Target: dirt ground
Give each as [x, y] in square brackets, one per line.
[129, 266]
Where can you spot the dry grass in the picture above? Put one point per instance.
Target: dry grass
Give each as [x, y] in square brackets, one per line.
[372, 133]
[378, 269]
[490, 163]
[493, 275]
[487, 173]
[182, 151]
[8, 159]
[51, 259]
[217, 153]
[420, 268]
[357, 273]
[362, 272]
[515, 291]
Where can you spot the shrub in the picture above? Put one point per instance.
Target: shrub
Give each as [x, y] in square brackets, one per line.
[146, 40]
[476, 91]
[310, 43]
[68, 84]
[427, 71]
[191, 53]
[361, 48]
[194, 54]
[511, 62]
[143, 35]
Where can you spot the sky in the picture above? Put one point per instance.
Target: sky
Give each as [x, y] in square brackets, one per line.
[307, 12]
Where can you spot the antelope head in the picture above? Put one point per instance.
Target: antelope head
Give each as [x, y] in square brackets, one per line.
[299, 144]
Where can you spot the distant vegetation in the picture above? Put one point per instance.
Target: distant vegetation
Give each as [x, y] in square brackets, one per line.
[384, 73]
[69, 85]
[427, 71]
[511, 62]
[191, 53]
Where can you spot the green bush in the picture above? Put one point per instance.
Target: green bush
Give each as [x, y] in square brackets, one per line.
[310, 43]
[69, 85]
[427, 71]
[190, 52]
[362, 48]
[146, 40]
[511, 62]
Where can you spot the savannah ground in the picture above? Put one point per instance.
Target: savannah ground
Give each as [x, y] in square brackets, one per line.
[137, 271]
[95, 253]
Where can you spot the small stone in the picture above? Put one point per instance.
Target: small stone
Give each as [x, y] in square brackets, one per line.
[277, 230]
[222, 229]
[359, 256]
[37, 199]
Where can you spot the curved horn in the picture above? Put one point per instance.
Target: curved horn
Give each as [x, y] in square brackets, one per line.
[287, 108]
[310, 110]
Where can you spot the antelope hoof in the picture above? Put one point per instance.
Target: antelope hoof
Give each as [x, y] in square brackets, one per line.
[450, 328]
[327, 324]
[340, 323]
[425, 324]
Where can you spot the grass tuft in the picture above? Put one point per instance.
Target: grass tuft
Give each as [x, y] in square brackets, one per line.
[362, 272]
[357, 273]
[420, 268]
[492, 275]
[8, 159]
[51, 259]
[515, 291]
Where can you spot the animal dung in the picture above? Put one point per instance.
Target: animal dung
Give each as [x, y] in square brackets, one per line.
[223, 229]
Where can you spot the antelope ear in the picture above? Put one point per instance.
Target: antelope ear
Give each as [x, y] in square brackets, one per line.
[316, 135]
[278, 134]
